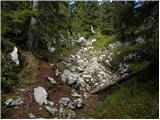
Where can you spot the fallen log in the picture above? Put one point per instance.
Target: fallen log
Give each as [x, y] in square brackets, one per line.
[109, 85]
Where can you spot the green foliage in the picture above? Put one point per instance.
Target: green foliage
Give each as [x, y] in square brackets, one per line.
[146, 53]
[15, 18]
[136, 98]
[9, 69]
[106, 18]
[4, 112]
[135, 67]
[6, 84]
[26, 77]
[9, 75]
[62, 53]
[7, 46]
[102, 41]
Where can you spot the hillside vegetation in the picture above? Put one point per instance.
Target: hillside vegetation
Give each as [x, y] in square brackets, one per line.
[98, 60]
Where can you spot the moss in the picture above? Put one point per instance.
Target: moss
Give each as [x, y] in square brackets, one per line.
[61, 53]
[103, 41]
[26, 77]
[12, 96]
[138, 66]
[136, 98]
[7, 46]
[46, 114]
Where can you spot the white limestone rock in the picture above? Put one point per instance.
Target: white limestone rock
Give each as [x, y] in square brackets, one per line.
[65, 75]
[72, 78]
[81, 39]
[66, 113]
[51, 110]
[71, 105]
[14, 55]
[50, 103]
[69, 77]
[78, 102]
[94, 40]
[92, 30]
[64, 101]
[52, 80]
[74, 93]
[40, 95]
[14, 103]
[140, 40]
[31, 116]
[88, 43]
[50, 47]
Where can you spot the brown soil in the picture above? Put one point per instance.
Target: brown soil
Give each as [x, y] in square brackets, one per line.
[41, 71]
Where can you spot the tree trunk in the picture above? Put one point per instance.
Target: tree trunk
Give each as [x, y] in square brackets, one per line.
[31, 38]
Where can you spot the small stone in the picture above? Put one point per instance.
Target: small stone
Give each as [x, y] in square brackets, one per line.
[86, 95]
[50, 103]
[9, 102]
[80, 69]
[140, 40]
[81, 39]
[92, 30]
[22, 90]
[72, 78]
[78, 102]
[13, 103]
[64, 101]
[74, 93]
[71, 114]
[89, 43]
[65, 75]
[57, 72]
[77, 56]
[52, 80]
[72, 56]
[93, 40]
[71, 105]
[51, 110]
[31, 116]
[66, 113]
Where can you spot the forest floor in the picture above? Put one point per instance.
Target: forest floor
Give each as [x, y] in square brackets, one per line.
[107, 104]
[40, 71]
[35, 73]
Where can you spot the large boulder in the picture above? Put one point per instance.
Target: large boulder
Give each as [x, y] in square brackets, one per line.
[40, 95]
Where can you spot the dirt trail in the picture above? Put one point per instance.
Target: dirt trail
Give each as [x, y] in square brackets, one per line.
[41, 70]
